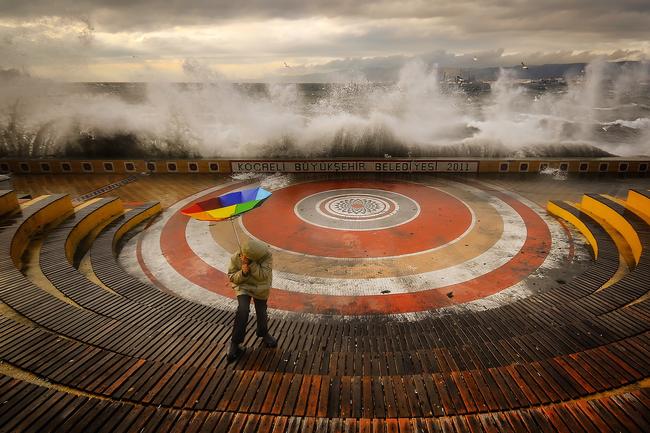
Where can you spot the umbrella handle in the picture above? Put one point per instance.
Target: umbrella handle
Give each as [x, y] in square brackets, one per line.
[232, 221]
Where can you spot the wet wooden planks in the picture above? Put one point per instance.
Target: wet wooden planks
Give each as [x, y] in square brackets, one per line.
[519, 368]
[219, 386]
[51, 410]
[106, 268]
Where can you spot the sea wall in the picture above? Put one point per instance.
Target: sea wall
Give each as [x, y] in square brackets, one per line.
[635, 166]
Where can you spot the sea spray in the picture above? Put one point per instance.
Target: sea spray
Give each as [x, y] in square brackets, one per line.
[416, 116]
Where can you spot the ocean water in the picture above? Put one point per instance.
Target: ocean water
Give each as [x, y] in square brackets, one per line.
[594, 114]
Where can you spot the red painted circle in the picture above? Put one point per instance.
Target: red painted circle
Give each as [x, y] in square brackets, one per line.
[533, 253]
[442, 219]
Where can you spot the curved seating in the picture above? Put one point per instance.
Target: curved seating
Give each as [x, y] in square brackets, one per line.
[143, 359]
[109, 272]
[31, 220]
[99, 308]
[451, 392]
[8, 202]
[639, 201]
[614, 214]
[58, 411]
[21, 294]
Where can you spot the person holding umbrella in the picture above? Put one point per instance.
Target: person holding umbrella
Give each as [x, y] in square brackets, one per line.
[251, 267]
[250, 273]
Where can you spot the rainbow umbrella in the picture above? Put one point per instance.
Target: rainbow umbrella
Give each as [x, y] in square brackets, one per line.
[228, 206]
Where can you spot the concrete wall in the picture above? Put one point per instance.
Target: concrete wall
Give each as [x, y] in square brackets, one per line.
[351, 165]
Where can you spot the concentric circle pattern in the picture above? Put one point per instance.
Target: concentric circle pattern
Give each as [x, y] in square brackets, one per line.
[422, 218]
[365, 247]
[356, 209]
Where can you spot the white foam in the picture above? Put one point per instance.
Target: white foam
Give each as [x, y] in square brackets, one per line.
[639, 123]
[217, 119]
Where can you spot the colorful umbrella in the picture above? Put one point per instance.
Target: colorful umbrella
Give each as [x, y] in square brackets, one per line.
[227, 206]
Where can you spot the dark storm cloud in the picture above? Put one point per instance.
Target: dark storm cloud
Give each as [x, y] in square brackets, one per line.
[371, 36]
[617, 18]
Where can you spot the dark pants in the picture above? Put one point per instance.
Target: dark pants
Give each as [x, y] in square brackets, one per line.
[241, 318]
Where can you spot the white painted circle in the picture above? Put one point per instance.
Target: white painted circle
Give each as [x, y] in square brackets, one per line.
[357, 209]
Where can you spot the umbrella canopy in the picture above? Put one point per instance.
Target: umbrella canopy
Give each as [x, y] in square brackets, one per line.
[228, 205]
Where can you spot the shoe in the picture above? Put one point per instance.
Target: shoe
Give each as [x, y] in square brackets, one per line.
[234, 353]
[269, 341]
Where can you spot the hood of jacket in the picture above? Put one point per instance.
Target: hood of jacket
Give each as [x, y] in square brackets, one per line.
[254, 249]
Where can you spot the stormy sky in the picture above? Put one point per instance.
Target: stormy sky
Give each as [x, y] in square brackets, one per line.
[122, 40]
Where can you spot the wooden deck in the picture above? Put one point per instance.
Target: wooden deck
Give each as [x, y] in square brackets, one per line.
[125, 357]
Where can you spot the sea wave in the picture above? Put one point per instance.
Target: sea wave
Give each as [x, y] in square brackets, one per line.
[413, 117]
[639, 123]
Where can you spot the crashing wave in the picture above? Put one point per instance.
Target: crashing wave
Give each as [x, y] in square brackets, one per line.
[639, 123]
[413, 117]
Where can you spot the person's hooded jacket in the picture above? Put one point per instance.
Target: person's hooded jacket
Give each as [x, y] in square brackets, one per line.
[258, 281]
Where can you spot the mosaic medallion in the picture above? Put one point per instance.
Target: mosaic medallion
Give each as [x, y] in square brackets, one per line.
[357, 209]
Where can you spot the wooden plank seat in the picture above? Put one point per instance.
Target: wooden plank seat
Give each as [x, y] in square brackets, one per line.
[76, 286]
[640, 234]
[111, 375]
[639, 201]
[23, 296]
[48, 360]
[634, 285]
[625, 222]
[359, 363]
[51, 410]
[18, 228]
[110, 273]
[626, 290]
[424, 353]
[18, 292]
[638, 229]
[643, 192]
[8, 202]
